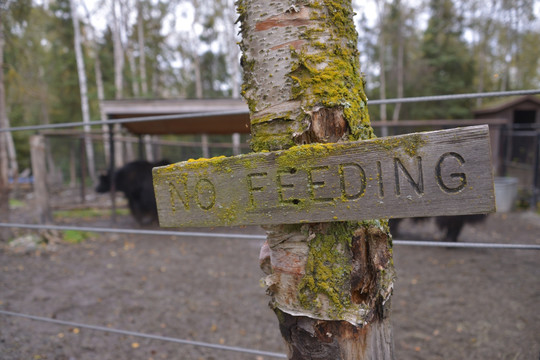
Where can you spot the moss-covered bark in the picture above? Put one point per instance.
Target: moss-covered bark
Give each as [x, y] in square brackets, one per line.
[303, 84]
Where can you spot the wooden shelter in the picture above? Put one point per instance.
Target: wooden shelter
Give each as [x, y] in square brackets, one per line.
[210, 116]
[520, 141]
[524, 110]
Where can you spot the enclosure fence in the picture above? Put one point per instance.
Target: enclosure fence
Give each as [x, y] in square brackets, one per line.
[238, 236]
[256, 237]
[206, 114]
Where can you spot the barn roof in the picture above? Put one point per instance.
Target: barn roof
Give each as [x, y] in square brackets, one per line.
[499, 106]
[226, 116]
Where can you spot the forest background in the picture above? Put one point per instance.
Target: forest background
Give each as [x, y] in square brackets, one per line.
[60, 57]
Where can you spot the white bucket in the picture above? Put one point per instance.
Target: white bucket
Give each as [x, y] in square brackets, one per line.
[505, 193]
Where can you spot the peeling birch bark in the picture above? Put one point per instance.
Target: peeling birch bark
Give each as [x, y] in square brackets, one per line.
[330, 283]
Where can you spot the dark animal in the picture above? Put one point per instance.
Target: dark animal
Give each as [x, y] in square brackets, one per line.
[451, 225]
[135, 181]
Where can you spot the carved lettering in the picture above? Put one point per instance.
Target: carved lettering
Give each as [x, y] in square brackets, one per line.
[380, 179]
[252, 187]
[448, 174]
[319, 188]
[348, 174]
[461, 176]
[180, 194]
[206, 194]
[417, 185]
[286, 196]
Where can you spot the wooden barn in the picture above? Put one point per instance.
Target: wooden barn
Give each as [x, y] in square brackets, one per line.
[519, 152]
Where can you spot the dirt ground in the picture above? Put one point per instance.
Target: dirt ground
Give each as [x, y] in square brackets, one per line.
[447, 303]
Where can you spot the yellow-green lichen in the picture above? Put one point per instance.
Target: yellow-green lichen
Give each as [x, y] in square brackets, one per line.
[409, 144]
[331, 77]
[328, 270]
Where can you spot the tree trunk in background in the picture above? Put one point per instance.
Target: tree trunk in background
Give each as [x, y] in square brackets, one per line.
[83, 87]
[102, 115]
[399, 60]
[118, 79]
[330, 283]
[99, 83]
[142, 52]
[232, 50]
[149, 148]
[118, 54]
[4, 178]
[382, 66]
[41, 190]
[133, 71]
[198, 76]
[204, 146]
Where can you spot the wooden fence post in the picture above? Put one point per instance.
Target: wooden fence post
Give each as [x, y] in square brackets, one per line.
[39, 170]
[303, 84]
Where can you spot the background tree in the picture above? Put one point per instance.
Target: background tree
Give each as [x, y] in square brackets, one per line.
[83, 90]
[11, 14]
[449, 64]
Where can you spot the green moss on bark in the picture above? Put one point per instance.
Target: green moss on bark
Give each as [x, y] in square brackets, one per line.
[328, 270]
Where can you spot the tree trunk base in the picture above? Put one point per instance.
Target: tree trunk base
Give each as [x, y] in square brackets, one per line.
[311, 339]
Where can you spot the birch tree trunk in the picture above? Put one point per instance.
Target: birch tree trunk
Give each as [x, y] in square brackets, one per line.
[330, 283]
[102, 114]
[83, 87]
[118, 78]
[232, 49]
[133, 71]
[198, 75]
[142, 52]
[382, 67]
[118, 54]
[4, 178]
[399, 60]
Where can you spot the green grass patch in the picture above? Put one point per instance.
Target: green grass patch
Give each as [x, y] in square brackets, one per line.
[15, 203]
[77, 237]
[87, 213]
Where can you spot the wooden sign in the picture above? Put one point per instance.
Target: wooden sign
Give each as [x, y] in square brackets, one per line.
[444, 172]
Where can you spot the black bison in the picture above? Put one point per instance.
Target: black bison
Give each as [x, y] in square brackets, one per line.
[135, 180]
[450, 225]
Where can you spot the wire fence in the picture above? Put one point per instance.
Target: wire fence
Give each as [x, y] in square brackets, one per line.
[246, 111]
[255, 236]
[145, 336]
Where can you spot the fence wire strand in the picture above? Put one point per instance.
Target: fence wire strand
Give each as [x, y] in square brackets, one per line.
[242, 112]
[260, 237]
[146, 336]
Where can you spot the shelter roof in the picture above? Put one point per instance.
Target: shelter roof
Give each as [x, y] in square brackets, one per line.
[499, 106]
[209, 116]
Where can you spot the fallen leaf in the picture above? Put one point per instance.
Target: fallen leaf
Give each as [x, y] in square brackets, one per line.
[222, 341]
[76, 331]
[135, 345]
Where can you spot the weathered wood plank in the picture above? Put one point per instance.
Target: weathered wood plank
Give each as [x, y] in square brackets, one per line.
[444, 172]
